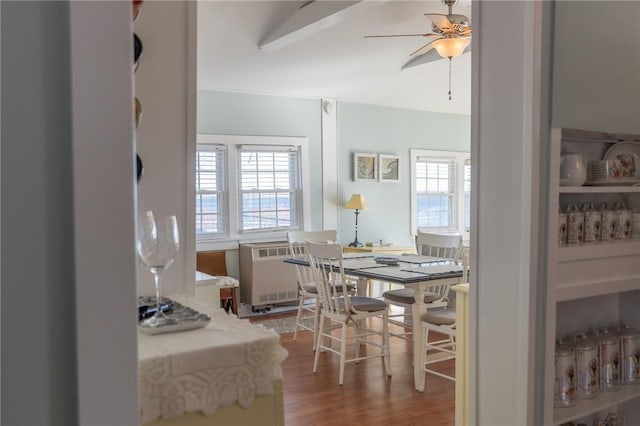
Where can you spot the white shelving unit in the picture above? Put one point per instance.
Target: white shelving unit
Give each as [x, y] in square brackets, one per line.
[590, 285]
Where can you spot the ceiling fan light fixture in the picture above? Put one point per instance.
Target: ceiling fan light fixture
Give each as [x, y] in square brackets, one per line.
[450, 47]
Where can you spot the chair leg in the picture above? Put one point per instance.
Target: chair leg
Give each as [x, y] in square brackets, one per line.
[316, 322]
[386, 349]
[318, 345]
[358, 341]
[300, 307]
[343, 352]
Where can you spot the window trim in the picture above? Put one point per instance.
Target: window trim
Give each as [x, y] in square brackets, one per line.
[459, 158]
[232, 237]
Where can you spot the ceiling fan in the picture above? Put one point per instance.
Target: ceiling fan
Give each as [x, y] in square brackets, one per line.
[451, 37]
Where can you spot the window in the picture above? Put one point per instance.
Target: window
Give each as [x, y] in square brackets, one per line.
[268, 179]
[210, 190]
[467, 194]
[248, 188]
[441, 188]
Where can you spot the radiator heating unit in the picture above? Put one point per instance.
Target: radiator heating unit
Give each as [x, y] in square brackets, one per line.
[264, 278]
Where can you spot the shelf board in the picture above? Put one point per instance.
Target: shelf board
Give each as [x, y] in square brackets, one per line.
[598, 189]
[603, 401]
[616, 248]
[598, 288]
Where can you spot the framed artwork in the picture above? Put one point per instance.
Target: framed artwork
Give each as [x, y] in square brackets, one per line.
[365, 167]
[389, 171]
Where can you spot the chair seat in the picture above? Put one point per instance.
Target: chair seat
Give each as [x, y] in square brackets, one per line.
[405, 296]
[365, 304]
[439, 317]
[311, 288]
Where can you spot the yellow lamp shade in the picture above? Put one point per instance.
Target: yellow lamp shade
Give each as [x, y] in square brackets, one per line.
[357, 202]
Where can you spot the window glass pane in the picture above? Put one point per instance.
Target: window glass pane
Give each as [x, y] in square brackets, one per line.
[267, 201]
[282, 180]
[284, 218]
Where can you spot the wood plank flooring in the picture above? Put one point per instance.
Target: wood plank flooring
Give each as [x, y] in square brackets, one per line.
[368, 397]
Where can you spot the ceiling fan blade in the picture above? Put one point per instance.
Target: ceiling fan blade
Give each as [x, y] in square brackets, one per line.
[430, 56]
[403, 35]
[439, 20]
[424, 49]
[465, 32]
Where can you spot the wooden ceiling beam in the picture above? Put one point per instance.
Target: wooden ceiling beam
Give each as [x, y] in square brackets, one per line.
[312, 18]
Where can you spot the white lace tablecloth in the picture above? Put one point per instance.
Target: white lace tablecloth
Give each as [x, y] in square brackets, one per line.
[229, 361]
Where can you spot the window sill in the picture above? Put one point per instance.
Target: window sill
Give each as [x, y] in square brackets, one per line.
[233, 243]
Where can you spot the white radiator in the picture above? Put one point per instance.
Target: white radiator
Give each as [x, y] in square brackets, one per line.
[264, 277]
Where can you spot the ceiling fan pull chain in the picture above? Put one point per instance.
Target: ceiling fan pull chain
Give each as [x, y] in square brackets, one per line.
[449, 78]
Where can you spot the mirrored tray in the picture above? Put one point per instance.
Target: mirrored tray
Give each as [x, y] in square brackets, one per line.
[186, 318]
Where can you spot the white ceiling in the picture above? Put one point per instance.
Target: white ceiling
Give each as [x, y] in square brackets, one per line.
[335, 62]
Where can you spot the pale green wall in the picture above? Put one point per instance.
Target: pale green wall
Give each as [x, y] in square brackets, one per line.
[227, 113]
[384, 130]
[596, 76]
[361, 128]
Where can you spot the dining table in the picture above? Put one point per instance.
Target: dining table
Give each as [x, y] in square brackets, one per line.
[416, 272]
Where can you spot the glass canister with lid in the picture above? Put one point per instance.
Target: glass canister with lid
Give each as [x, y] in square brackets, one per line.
[608, 223]
[592, 221]
[622, 229]
[609, 360]
[587, 371]
[630, 351]
[575, 224]
[565, 365]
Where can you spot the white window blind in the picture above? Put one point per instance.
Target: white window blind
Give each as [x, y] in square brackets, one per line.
[210, 190]
[269, 186]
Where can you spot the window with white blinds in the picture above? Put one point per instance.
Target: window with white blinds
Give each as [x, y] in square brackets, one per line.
[249, 189]
[441, 190]
[269, 186]
[210, 190]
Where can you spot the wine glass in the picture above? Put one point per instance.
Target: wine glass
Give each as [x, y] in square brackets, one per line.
[157, 245]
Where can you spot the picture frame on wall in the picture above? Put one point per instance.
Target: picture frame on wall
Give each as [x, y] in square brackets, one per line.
[365, 167]
[389, 168]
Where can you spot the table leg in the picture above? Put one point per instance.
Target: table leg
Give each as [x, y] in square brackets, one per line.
[361, 286]
[417, 310]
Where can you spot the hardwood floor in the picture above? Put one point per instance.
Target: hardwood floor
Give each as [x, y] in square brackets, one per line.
[367, 397]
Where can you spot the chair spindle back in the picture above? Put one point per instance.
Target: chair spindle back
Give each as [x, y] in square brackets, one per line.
[328, 273]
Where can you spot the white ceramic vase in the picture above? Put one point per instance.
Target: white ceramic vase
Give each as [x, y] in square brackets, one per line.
[573, 170]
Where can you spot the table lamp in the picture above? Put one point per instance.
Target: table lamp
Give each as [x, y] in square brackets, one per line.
[356, 203]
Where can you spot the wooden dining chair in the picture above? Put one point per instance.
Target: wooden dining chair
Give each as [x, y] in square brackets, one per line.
[446, 247]
[308, 307]
[443, 321]
[340, 308]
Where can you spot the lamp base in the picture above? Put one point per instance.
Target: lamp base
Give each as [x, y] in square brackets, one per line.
[356, 243]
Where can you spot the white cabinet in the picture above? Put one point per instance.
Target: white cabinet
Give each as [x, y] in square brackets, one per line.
[588, 285]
